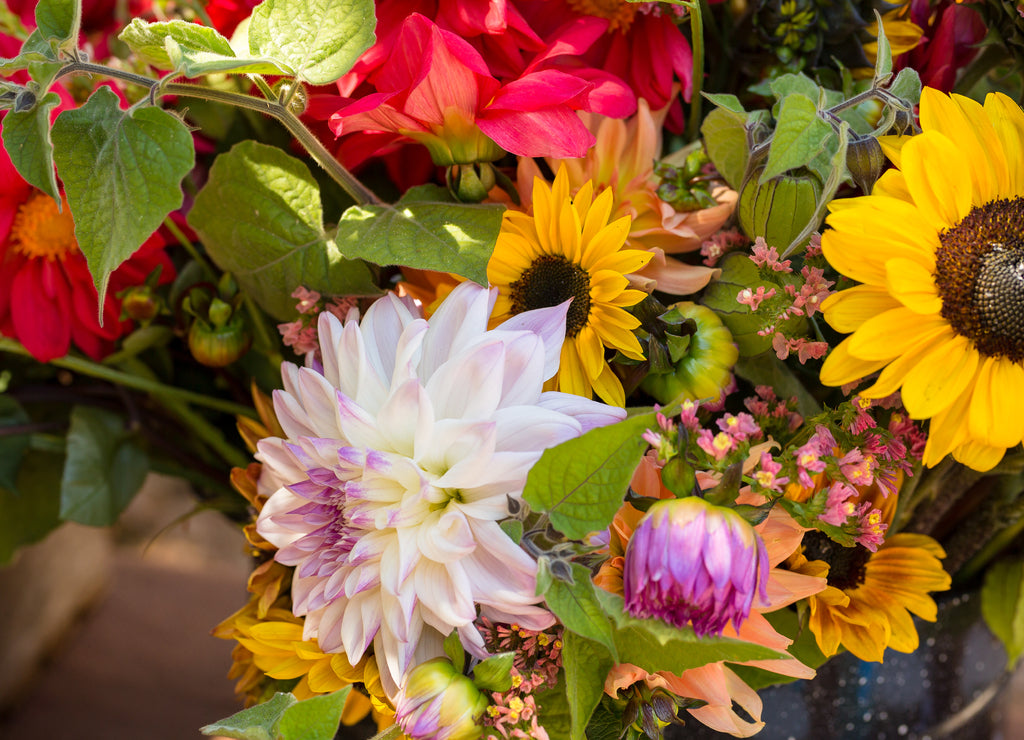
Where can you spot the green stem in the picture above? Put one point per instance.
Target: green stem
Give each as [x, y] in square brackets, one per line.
[697, 40]
[992, 548]
[147, 385]
[359, 192]
[191, 248]
[204, 430]
[264, 339]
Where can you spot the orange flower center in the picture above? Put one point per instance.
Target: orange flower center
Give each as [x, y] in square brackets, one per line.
[40, 230]
[620, 13]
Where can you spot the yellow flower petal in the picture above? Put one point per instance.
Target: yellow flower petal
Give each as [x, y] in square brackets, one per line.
[841, 367]
[847, 310]
[939, 377]
[942, 193]
[913, 286]
[890, 334]
[1008, 121]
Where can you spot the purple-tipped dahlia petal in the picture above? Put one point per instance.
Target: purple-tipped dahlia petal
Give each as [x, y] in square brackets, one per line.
[399, 456]
[692, 563]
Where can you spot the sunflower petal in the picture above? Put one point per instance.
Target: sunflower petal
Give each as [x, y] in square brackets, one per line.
[943, 194]
[939, 377]
[848, 309]
[913, 285]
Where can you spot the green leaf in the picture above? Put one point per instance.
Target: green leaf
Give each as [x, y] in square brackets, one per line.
[37, 48]
[907, 85]
[553, 711]
[729, 102]
[316, 718]
[799, 135]
[122, 172]
[606, 721]
[655, 645]
[34, 511]
[59, 20]
[577, 607]
[582, 482]
[12, 446]
[513, 528]
[103, 470]
[256, 723]
[1002, 605]
[454, 650]
[586, 665]
[426, 230]
[260, 218]
[494, 673]
[27, 140]
[191, 49]
[319, 39]
[883, 55]
[725, 138]
[789, 84]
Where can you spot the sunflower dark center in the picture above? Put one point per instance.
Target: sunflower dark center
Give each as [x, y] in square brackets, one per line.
[980, 276]
[845, 564]
[552, 280]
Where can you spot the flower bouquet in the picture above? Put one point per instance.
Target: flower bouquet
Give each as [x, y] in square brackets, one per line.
[576, 368]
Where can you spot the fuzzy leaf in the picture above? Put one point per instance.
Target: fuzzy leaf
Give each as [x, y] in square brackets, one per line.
[883, 55]
[577, 607]
[799, 135]
[191, 49]
[12, 446]
[582, 482]
[319, 39]
[426, 230]
[316, 718]
[260, 218]
[59, 20]
[1002, 605]
[34, 510]
[586, 665]
[256, 723]
[26, 138]
[725, 138]
[122, 172]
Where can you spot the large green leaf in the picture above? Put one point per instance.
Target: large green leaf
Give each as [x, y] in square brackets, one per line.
[34, 511]
[582, 482]
[122, 172]
[12, 446]
[1002, 604]
[426, 230]
[316, 718]
[260, 218]
[191, 49]
[586, 665]
[553, 711]
[26, 138]
[725, 138]
[319, 39]
[799, 135]
[103, 470]
[655, 645]
[577, 608]
[59, 20]
[256, 723]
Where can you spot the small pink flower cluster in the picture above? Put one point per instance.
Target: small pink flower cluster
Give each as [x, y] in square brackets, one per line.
[863, 455]
[727, 240]
[793, 297]
[538, 658]
[301, 334]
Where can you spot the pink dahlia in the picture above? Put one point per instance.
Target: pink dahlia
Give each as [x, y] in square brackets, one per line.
[401, 452]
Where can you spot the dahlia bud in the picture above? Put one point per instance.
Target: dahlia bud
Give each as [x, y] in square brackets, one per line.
[439, 703]
[690, 562]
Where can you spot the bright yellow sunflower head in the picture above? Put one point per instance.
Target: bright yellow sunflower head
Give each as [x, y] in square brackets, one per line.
[939, 249]
[568, 249]
[866, 606]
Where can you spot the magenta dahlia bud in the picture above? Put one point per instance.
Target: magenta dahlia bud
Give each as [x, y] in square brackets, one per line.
[690, 562]
[439, 703]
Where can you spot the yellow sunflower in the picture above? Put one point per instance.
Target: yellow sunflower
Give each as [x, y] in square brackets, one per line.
[568, 249]
[939, 249]
[866, 606]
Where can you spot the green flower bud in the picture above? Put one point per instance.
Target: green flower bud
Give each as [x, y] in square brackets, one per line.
[217, 346]
[140, 304]
[865, 161]
[438, 703]
[470, 183]
[780, 209]
[702, 366]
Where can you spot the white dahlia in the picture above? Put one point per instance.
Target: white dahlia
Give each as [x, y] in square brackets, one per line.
[401, 453]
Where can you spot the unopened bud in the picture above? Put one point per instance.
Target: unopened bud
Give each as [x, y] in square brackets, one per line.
[865, 161]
